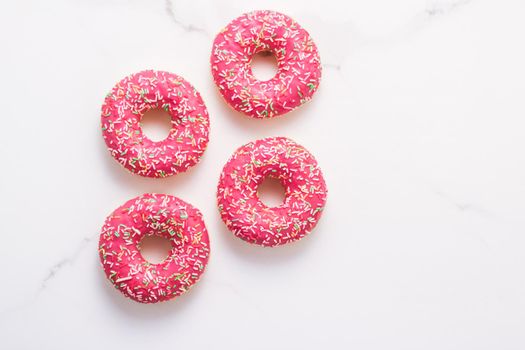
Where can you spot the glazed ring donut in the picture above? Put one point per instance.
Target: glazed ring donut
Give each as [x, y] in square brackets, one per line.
[165, 216]
[124, 107]
[297, 170]
[299, 67]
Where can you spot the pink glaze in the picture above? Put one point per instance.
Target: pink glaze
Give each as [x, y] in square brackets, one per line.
[165, 216]
[125, 105]
[299, 67]
[297, 170]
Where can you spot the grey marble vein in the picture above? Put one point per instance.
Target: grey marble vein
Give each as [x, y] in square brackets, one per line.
[464, 206]
[440, 8]
[69, 260]
[53, 271]
[187, 27]
[334, 66]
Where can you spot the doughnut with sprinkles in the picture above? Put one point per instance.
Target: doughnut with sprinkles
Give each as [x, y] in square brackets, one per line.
[165, 216]
[297, 170]
[124, 107]
[299, 67]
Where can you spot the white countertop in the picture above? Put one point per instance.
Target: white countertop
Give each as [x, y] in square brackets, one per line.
[418, 126]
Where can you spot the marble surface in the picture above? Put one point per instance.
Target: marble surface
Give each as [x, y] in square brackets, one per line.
[418, 126]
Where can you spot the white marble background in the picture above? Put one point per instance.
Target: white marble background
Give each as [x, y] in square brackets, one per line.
[418, 126]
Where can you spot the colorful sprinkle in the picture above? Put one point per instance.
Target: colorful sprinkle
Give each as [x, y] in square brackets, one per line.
[154, 214]
[297, 170]
[299, 65]
[124, 107]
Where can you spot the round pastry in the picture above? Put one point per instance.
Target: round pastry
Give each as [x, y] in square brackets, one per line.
[297, 170]
[124, 107]
[298, 72]
[165, 216]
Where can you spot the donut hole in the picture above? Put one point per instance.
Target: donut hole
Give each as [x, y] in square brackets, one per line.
[271, 192]
[154, 249]
[156, 124]
[264, 65]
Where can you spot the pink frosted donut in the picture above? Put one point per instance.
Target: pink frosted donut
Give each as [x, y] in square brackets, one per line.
[299, 67]
[124, 107]
[165, 216]
[297, 170]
